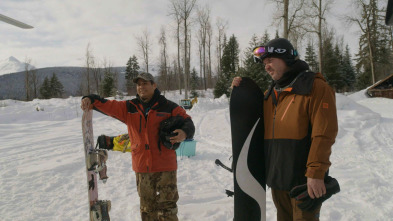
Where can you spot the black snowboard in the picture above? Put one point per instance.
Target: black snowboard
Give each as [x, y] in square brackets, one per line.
[246, 107]
[389, 13]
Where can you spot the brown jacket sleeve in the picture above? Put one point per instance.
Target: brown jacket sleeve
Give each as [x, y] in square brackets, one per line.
[323, 117]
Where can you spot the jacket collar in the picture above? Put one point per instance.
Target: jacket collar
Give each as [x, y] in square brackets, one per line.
[297, 80]
[155, 102]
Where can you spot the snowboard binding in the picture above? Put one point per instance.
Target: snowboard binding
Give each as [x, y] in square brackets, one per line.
[96, 161]
[100, 210]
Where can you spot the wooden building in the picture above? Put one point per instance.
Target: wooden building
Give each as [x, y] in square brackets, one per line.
[383, 88]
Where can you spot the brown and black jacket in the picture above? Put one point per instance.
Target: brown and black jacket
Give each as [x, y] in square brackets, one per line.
[300, 128]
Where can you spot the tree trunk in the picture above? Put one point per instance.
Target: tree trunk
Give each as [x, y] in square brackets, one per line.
[285, 17]
[185, 59]
[178, 58]
[320, 54]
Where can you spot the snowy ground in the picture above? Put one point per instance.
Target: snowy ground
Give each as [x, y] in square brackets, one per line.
[42, 175]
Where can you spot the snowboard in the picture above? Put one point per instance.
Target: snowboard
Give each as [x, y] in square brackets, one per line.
[247, 130]
[95, 163]
[389, 13]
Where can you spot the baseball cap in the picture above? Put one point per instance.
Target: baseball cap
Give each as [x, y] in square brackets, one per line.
[145, 76]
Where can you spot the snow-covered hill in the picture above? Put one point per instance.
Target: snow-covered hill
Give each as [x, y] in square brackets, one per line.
[42, 174]
[12, 65]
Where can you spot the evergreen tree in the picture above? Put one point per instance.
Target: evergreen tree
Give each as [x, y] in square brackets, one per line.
[253, 70]
[51, 88]
[277, 35]
[108, 84]
[311, 58]
[56, 88]
[229, 67]
[45, 89]
[131, 73]
[194, 83]
[349, 71]
[375, 51]
[331, 62]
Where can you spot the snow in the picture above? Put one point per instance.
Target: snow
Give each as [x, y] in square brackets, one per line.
[43, 176]
[12, 65]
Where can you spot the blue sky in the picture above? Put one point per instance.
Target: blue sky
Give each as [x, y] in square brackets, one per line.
[62, 29]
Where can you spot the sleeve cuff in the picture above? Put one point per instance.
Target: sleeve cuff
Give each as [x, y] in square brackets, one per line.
[315, 173]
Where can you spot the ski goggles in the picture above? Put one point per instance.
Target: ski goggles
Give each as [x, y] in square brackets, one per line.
[261, 52]
[258, 52]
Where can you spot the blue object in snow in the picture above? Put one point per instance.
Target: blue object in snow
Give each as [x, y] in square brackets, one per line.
[187, 148]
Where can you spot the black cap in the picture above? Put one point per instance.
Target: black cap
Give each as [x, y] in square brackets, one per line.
[281, 48]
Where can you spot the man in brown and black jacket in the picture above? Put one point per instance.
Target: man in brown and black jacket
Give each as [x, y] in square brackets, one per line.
[300, 121]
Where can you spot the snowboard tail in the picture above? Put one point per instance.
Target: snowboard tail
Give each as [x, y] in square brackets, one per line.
[246, 107]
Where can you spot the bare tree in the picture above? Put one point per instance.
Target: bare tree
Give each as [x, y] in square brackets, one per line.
[203, 14]
[290, 13]
[185, 8]
[96, 72]
[315, 13]
[209, 45]
[221, 27]
[174, 11]
[200, 49]
[164, 67]
[144, 45]
[27, 78]
[88, 63]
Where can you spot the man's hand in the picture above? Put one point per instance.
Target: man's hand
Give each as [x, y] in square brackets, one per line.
[315, 188]
[181, 135]
[86, 104]
[236, 82]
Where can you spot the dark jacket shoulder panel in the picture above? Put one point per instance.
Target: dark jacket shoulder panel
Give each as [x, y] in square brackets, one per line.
[304, 83]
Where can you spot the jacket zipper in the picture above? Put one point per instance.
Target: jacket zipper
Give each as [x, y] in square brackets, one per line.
[285, 112]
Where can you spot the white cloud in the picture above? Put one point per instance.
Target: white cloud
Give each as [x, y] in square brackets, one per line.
[62, 29]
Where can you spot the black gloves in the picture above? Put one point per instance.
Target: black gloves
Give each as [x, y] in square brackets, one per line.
[300, 193]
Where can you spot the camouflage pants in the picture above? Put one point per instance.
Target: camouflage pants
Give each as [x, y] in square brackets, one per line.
[158, 195]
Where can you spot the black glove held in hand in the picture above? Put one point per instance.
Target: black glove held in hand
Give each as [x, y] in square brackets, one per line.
[300, 193]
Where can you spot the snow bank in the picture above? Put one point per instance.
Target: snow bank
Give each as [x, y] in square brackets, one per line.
[42, 163]
[360, 95]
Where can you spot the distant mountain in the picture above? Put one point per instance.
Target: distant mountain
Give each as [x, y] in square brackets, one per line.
[12, 78]
[12, 85]
[12, 65]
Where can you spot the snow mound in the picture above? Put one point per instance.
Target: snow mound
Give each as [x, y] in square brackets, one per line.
[207, 104]
[360, 95]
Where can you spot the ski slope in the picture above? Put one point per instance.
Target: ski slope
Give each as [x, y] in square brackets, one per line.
[42, 175]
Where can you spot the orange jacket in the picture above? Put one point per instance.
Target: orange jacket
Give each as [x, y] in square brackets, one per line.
[148, 153]
[299, 131]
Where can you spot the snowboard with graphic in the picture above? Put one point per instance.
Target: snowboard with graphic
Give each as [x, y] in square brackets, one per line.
[246, 107]
[95, 163]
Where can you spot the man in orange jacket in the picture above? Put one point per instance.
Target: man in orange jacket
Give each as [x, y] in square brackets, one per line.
[300, 120]
[154, 165]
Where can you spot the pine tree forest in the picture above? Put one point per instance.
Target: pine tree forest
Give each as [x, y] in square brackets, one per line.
[195, 52]
[321, 47]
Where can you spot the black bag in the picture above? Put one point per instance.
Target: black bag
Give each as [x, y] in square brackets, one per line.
[166, 131]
